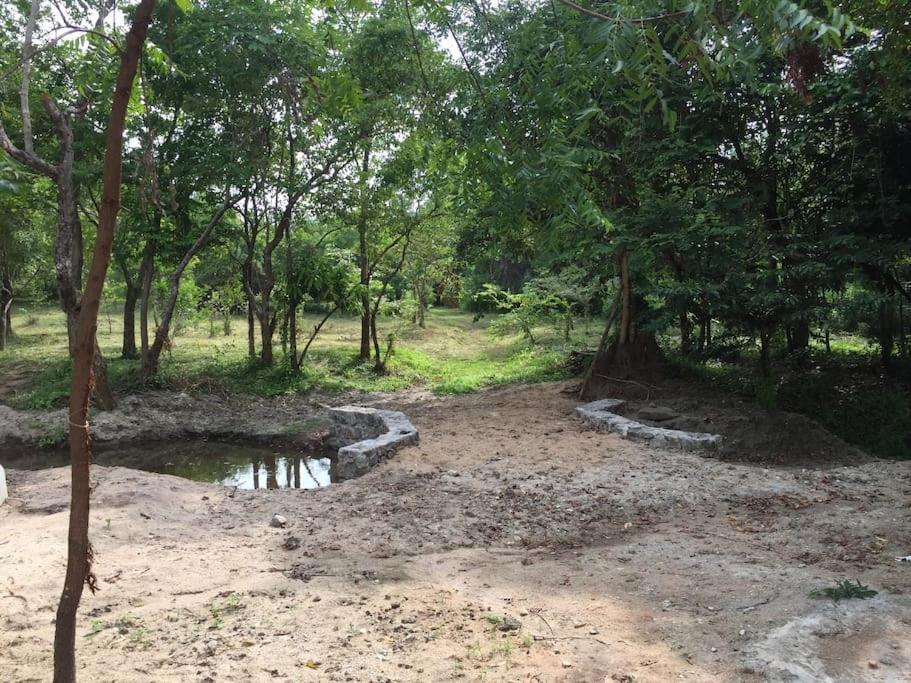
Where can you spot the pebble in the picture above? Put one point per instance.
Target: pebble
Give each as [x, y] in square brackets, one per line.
[278, 521]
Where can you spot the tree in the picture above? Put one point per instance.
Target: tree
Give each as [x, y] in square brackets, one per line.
[79, 551]
[68, 246]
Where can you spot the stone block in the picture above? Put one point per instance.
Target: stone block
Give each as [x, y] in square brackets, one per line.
[602, 416]
[365, 436]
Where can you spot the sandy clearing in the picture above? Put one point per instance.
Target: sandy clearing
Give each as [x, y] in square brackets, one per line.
[620, 562]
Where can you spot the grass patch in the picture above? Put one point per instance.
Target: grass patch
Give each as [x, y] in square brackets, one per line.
[451, 355]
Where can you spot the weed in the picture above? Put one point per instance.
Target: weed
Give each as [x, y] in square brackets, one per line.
[845, 590]
[217, 610]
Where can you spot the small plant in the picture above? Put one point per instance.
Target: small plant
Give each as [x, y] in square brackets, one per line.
[230, 604]
[845, 590]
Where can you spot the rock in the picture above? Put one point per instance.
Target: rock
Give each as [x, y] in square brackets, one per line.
[4, 493]
[509, 624]
[278, 521]
[291, 543]
[566, 665]
[657, 413]
[211, 647]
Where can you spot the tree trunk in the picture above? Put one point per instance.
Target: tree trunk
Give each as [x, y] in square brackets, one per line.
[799, 336]
[266, 329]
[686, 334]
[316, 329]
[4, 326]
[765, 352]
[150, 361]
[6, 305]
[378, 365]
[251, 331]
[128, 348]
[421, 296]
[633, 354]
[146, 274]
[364, 259]
[79, 550]
[292, 335]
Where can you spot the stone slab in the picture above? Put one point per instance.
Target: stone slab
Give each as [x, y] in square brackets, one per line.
[602, 415]
[365, 436]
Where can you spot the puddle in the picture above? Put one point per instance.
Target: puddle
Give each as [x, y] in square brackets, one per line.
[244, 466]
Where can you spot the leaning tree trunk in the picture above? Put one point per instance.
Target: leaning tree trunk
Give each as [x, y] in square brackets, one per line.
[150, 360]
[79, 550]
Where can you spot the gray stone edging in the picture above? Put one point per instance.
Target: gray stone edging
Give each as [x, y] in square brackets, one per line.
[601, 414]
[364, 436]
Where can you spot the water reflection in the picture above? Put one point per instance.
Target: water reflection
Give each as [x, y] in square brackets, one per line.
[244, 466]
[283, 472]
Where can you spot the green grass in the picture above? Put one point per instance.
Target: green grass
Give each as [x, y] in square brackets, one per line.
[452, 355]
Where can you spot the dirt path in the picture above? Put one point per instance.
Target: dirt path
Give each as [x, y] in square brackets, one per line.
[513, 544]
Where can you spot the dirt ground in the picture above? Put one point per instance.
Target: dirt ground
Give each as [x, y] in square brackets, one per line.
[513, 544]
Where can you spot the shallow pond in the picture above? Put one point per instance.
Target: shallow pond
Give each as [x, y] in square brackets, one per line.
[244, 466]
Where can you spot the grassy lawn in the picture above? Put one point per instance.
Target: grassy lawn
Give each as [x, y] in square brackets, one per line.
[452, 354]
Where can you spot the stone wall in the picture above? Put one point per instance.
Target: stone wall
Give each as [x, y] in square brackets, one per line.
[365, 436]
[602, 415]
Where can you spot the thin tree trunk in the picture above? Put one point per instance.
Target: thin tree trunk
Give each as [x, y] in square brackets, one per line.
[146, 274]
[6, 305]
[4, 324]
[79, 550]
[602, 348]
[626, 301]
[765, 363]
[292, 334]
[26, 73]
[150, 361]
[316, 329]
[251, 329]
[128, 347]
[363, 258]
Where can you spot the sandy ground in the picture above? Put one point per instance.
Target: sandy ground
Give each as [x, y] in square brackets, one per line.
[513, 544]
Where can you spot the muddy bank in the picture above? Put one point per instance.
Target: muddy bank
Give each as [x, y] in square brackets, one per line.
[163, 415]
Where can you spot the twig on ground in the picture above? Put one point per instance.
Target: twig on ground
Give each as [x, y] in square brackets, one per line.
[537, 613]
[597, 640]
[757, 604]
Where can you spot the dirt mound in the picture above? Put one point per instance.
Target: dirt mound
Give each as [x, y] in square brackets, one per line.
[751, 433]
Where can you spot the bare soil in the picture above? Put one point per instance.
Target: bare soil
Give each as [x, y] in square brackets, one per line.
[513, 544]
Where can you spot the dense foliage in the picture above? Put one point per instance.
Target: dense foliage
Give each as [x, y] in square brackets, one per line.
[722, 182]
